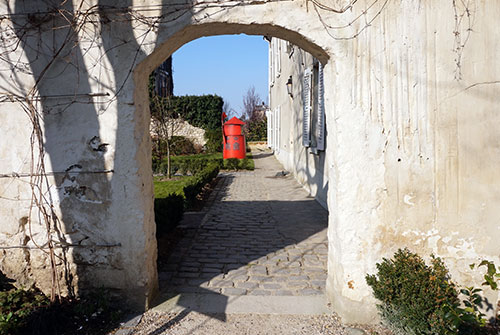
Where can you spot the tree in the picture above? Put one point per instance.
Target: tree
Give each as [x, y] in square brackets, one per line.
[165, 123]
[250, 101]
[255, 128]
[226, 108]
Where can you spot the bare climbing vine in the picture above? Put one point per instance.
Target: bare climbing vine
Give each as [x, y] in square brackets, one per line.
[464, 21]
[338, 32]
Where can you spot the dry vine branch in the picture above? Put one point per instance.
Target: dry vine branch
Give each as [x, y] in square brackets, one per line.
[461, 15]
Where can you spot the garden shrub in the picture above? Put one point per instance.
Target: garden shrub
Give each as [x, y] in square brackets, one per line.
[203, 111]
[195, 184]
[181, 145]
[172, 197]
[168, 212]
[231, 163]
[17, 307]
[193, 164]
[413, 295]
[214, 140]
[246, 163]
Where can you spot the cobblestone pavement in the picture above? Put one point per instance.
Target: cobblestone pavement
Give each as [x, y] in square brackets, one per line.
[262, 235]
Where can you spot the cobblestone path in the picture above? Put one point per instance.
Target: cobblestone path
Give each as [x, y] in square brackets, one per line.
[262, 235]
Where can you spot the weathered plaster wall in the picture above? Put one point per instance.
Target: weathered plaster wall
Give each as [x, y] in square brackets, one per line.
[415, 147]
[412, 151]
[308, 167]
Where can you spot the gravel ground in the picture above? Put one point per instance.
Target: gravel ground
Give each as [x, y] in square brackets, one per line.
[194, 323]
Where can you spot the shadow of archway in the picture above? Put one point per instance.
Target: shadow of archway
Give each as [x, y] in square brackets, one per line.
[247, 252]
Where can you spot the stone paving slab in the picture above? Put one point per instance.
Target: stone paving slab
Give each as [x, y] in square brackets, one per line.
[263, 235]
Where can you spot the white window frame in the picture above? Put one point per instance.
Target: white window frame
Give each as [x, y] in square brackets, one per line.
[313, 140]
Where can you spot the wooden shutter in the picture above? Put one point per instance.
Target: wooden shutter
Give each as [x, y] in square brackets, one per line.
[278, 58]
[320, 125]
[270, 74]
[272, 61]
[269, 129]
[307, 99]
[278, 128]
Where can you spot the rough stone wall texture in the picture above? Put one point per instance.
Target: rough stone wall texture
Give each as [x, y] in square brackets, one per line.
[195, 134]
[183, 128]
[411, 114]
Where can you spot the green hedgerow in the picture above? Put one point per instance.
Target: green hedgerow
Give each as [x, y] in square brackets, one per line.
[414, 295]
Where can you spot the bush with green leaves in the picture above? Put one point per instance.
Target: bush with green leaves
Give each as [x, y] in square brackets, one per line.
[196, 183]
[17, 307]
[203, 111]
[168, 212]
[193, 164]
[246, 163]
[214, 140]
[172, 197]
[467, 317]
[181, 145]
[413, 294]
[420, 299]
[256, 130]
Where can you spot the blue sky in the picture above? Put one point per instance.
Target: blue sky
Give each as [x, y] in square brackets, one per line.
[225, 65]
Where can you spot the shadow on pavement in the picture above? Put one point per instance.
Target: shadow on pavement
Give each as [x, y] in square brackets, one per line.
[245, 248]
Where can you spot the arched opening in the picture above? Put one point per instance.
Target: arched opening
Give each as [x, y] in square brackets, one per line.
[402, 148]
[305, 210]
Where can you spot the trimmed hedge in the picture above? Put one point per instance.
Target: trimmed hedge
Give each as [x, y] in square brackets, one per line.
[193, 164]
[168, 212]
[195, 184]
[214, 140]
[172, 197]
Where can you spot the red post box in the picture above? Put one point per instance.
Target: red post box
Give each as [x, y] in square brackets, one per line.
[233, 139]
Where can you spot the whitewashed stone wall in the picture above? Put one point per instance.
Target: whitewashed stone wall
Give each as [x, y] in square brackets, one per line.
[411, 105]
[183, 128]
[195, 134]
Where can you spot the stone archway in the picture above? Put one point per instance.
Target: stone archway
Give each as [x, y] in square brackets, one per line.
[263, 20]
[194, 31]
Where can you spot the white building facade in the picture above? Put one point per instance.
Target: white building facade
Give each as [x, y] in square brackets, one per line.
[296, 117]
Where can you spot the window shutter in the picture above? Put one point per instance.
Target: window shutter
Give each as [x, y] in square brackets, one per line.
[271, 63]
[306, 122]
[269, 129]
[278, 58]
[320, 129]
[276, 130]
[275, 62]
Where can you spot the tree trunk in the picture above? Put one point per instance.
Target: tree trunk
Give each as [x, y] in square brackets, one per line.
[169, 174]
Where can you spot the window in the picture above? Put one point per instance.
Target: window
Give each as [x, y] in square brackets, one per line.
[313, 135]
[274, 128]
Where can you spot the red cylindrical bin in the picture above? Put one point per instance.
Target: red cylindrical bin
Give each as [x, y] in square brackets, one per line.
[233, 139]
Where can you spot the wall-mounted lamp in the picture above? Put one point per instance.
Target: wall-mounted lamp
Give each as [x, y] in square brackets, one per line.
[289, 87]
